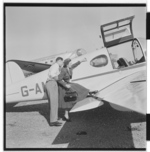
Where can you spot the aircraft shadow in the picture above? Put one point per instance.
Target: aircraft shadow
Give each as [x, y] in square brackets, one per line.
[103, 127]
[43, 109]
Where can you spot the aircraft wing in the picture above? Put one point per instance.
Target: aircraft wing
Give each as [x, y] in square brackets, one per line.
[31, 66]
[86, 104]
[128, 92]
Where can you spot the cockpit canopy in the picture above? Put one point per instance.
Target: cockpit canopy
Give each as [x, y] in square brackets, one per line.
[77, 53]
[117, 32]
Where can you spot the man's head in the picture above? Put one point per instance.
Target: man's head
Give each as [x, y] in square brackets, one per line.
[59, 60]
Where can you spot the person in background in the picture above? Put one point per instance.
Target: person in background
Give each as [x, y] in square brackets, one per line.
[64, 82]
[52, 91]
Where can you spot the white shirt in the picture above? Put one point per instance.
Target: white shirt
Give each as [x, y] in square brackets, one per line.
[53, 71]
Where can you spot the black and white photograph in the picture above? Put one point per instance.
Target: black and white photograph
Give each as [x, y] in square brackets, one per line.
[75, 76]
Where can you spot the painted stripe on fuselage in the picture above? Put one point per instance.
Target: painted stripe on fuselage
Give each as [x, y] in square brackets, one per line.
[12, 93]
[121, 69]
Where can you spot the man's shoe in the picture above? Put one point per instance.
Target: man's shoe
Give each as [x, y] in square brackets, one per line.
[59, 118]
[56, 123]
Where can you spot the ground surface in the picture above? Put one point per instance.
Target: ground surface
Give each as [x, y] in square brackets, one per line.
[27, 126]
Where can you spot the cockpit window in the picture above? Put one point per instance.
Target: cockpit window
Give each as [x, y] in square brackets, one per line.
[81, 52]
[77, 53]
[99, 61]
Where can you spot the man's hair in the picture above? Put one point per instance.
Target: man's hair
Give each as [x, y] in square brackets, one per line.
[59, 58]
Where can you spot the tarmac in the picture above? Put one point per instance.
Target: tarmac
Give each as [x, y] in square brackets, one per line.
[27, 126]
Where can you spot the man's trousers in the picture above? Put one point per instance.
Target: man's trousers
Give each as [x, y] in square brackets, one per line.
[52, 94]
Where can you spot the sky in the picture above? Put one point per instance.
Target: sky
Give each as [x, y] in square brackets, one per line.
[35, 32]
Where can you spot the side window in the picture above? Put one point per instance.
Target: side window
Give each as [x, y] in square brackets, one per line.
[99, 61]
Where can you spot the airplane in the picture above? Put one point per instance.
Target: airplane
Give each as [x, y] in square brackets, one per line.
[117, 71]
